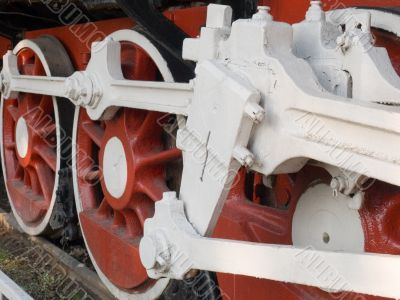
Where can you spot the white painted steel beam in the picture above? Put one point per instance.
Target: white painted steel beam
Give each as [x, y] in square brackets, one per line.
[172, 248]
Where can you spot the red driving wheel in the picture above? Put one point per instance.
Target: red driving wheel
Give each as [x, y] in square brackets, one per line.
[121, 170]
[31, 137]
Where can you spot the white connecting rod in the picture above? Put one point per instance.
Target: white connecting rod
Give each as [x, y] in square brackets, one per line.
[172, 247]
[98, 90]
[52, 86]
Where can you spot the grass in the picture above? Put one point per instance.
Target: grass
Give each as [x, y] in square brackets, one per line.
[38, 283]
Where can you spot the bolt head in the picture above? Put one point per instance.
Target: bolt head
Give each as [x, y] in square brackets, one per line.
[335, 184]
[338, 184]
[170, 195]
[249, 161]
[259, 116]
[263, 14]
[315, 12]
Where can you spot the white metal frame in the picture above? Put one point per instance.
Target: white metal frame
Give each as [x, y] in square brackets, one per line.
[252, 103]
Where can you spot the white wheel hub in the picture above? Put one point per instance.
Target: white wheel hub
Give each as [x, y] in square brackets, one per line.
[326, 222]
[115, 167]
[22, 137]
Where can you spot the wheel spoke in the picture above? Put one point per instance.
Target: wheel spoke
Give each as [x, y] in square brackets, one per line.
[15, 171]
[39, 122]
[90, 175]
[49, 130]
[13, 112]
[149, 121]
[46, 105]
[27, 179]
[94, 131]
[153, 188]
[104, 210]
[38, 67]
[46, 178]
[23, 104]
[19, 171]
[133, 226]
[47, 154]
[144, 209]
[35, 184]
[160, 158]
[24, 58]
[27, 69]
[118, 220]
[90, 194]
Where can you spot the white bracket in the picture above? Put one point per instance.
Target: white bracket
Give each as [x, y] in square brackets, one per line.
[346, 62]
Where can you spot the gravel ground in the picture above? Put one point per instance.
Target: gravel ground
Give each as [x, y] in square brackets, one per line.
[45, 271]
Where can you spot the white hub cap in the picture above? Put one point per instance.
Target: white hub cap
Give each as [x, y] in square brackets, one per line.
[22, 137]
[326, 222]
[115, 167]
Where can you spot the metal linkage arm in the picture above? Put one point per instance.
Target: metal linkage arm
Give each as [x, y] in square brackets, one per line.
[172, 248]
[101, 87]
[105, 71]
[355, 136]
[165, 97]
[51, 86]
[12, 82]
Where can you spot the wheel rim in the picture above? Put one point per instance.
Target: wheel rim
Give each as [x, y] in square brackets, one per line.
[31, 137]
[116, 189]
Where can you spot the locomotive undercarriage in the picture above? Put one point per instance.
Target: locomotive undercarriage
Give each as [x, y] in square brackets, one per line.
[268, 100]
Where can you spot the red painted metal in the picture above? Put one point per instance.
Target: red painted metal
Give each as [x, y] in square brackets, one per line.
[30, 180]
[119, 222]
[190, 20]
[105, 220]
[77, 39]
[5, 45]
